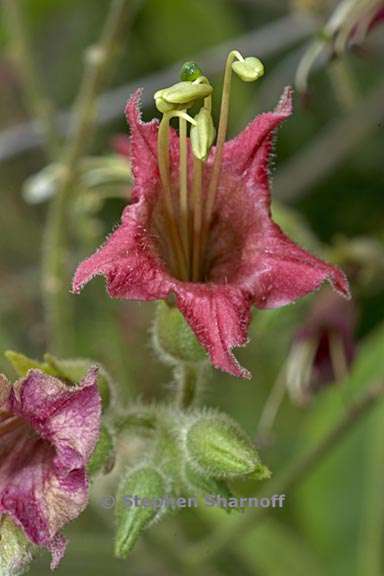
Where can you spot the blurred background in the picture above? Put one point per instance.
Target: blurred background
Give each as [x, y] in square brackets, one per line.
[328, 184]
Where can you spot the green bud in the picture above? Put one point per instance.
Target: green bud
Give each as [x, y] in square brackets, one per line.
[143, 483]
[173, 338]
[190, 71]
[103, 457]
[203, 134]
[218, 447]
[16, 551]
[182, 93]
[249, 69]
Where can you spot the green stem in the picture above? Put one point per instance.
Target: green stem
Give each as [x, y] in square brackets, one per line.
[54, 267]
[37, 101]
[188, 378]
[289, 478]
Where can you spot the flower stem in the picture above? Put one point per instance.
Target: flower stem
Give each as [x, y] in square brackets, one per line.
[290, 477]
[37, 101]
[54, 266]
[188, 376]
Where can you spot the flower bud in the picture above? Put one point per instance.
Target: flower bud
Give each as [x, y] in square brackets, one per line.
[103, 457]
[135, 509]
[173, 339]
[181, 94]
[15, 549]
[218, 447]
[249, 69]
[202, 134]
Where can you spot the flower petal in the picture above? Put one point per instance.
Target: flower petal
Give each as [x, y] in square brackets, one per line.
[239, 152]
[47, 436]
[142, 146]
[219, 316]
[280, 272]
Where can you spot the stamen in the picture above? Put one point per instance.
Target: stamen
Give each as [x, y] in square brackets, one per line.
[251, 69]
[221, 133]
[197, 217]
[183, 188]
[163, 159]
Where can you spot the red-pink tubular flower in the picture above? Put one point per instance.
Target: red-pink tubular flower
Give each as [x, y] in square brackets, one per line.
[48, 432]
[248, 259]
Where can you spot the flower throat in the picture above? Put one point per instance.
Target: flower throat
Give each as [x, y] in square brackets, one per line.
[187, 213]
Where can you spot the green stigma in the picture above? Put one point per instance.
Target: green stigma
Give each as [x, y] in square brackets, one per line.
[190, 71]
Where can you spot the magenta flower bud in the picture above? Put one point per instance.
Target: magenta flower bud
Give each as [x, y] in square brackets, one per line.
[48, 432]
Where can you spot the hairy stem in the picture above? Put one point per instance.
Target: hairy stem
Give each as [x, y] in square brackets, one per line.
[187, 377]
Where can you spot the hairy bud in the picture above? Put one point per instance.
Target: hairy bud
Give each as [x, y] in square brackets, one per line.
[219, 448]
[135, 509]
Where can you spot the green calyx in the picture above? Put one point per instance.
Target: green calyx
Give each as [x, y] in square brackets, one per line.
[173, 339]
[135, 506]
[249, 69]
[16, 551]
[219, 448]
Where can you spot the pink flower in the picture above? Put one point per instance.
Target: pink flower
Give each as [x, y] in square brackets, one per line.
[247, 259]
[48, 431]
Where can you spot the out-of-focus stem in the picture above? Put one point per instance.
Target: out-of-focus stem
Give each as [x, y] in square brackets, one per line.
[55, 268]
[37, 101]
